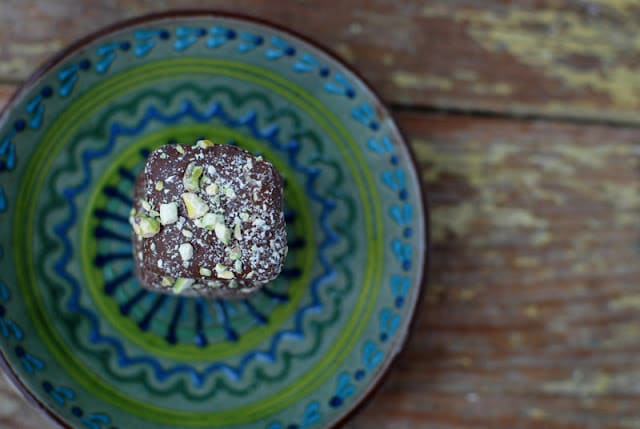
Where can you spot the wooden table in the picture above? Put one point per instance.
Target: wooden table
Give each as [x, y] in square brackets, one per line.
[524, 118]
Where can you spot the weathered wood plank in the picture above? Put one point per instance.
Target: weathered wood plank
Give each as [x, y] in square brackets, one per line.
[15, 412]
[576, 58]
[533, 315]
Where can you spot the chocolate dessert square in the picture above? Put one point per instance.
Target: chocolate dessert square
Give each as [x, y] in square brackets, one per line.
[208, 221]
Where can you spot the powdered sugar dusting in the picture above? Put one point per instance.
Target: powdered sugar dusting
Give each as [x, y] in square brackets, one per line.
[241, 228]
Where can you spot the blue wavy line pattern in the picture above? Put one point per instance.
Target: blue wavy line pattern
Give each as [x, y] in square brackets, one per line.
[270, 135]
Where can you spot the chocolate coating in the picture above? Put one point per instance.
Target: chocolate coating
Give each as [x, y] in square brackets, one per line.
[232, 241]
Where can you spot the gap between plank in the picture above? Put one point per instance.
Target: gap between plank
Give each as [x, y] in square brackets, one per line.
[515, 115]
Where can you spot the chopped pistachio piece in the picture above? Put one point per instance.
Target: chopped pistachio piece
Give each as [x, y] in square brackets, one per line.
[205, 271]
[227, 275]
[204, 143]
[222, 232]
[182, 284]
[168, 213]
[222, 271]
[237, 232]
[233, 284]
[229, 192]
[159, 185]
[145, 205]
[244, 216]
[163, 155]
[179, 148]
[237, 266]
[187, 233]
[235, 253]
[186, 251]
[209, 221]
[212, 189]
[250, 275]
[167, 281]
[191, 178]
[145, 226]
[196, 207]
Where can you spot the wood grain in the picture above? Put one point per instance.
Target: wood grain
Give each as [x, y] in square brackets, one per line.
[532, 319]
[15, 412]
[575, 58]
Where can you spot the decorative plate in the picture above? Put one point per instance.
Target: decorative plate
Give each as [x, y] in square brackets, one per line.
[91, 348]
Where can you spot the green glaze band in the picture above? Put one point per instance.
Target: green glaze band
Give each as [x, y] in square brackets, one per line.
[67, 125]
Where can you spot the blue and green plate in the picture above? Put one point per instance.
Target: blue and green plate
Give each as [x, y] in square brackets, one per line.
[91, 348]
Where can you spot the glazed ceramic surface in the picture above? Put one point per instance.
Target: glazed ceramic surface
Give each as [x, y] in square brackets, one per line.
[96, 351]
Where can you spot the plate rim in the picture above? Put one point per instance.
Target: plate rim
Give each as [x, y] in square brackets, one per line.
[424, 276]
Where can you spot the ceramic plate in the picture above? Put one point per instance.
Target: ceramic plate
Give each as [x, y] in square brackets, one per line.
[90, 347]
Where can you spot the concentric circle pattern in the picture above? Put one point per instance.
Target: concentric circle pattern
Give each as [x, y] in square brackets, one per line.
[95, 349]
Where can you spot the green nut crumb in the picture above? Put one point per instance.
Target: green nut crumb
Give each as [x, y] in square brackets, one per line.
[181, 284]
[145, 226]
[235, 253]
[186, 251]
[209, 221]
[212, 189]
[168, 213]
[196, 207]
[229, 192]
[222, 232]
[204, 143]
[222, 271]
[191, 178]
